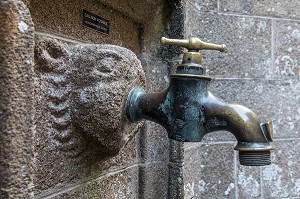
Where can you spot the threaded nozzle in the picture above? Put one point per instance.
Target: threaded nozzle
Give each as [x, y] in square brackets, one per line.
[255, 158]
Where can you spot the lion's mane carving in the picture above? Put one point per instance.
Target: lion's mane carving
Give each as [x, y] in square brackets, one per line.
[84, 88]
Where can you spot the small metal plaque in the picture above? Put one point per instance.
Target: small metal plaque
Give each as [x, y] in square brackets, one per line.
[95, 22]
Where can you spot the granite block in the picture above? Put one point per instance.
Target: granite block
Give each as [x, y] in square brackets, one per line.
[53, 169]
[274, 100]
[17, 107]
[154, 142]
[248, 42]
[204, 6]
[287, 48]
[176, 151]
[138, 10]
[63, 18]
[157, 74]
[176, 181]
[282, 178]
[112, 186]
[248, 181]
[269, 8]
[153, 180]
[209, 171]
[69, 144]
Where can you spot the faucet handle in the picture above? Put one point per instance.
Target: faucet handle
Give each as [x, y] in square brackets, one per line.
[193, 43]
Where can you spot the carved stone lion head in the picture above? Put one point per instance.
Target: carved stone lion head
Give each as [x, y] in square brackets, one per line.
[84, 90]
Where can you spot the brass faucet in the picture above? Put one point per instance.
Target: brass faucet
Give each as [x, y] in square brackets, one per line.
[188, 111]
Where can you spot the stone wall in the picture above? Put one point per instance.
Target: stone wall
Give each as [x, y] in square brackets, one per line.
[140, 168]
[261, 71]
[50, 107]
[149, 162]
[17, 102]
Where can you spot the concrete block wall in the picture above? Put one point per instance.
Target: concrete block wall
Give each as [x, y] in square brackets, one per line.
[260, 71]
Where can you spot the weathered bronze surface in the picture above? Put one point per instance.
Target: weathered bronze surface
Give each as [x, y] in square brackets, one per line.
[193, 43]
[188, 111]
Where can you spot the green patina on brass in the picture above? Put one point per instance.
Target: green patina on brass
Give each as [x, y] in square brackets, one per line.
[188, 111]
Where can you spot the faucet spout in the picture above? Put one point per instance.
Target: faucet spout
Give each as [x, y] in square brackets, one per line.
[253, 136]
[188, 115]
[188, 111]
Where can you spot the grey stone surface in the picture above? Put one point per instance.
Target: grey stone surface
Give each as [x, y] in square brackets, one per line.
[248, 181]
[248, 41]
[138, 10]
[282, 179]
[54, 170]
[85, 88]
[274, 100]
[154, 141]
[260, 71]
[209, 171]
[219, 136]
[81, 90]
[73, 145]
[176, 151]
[136, 25]
[153, 181]
[286, 48]
[113, 186]
[16, 100]
[63, 18]
[157, 74]
[176, 181]
[205, 6]
[176, 168]
[127, 31]
[278, 8]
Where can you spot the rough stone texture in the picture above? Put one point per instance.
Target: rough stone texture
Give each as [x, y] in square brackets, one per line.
[282, 179]
[139, 10]
[204, 6]
[176, 183]
[153, 138]
[157, 74]
[260, 71]
[77, 134]
[248, 41]
[136, 25]
[209, 171]
[176, 151]
[156, 27]
[275, 100]
[287, 44]
[153, 143]
[121, 184]
[248, 182]
[17, 104]
[152, 180]
[176, 156]
[81, 90]
[277, 8]
[63, 18]
[55, 171]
